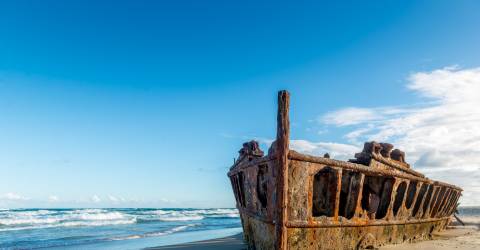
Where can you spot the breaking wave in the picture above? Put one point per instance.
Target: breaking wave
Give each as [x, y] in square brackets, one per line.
[186, 215]
[30, 219]
[23, 220]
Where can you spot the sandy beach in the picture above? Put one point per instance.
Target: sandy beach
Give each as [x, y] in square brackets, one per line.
[457, 237]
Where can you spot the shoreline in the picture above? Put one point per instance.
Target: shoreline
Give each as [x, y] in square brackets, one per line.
[234, 242]
[454, 237]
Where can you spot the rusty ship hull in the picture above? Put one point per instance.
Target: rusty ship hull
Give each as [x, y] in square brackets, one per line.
[289, 200]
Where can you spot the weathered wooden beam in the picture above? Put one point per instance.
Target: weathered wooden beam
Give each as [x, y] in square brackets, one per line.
[337, 194]
[283, 136]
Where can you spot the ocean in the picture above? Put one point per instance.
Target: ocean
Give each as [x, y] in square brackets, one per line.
[112, 228]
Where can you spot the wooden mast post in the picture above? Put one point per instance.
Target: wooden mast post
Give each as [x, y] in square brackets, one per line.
[283, 136]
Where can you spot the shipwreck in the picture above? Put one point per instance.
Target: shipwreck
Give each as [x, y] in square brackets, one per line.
[289, 200]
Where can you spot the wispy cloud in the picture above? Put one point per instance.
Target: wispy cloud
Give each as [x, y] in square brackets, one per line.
[96, 199]
[442, 138]
[113, 198]
[116, 199]
[53, 198]
[336, 150]
[13, 197]
[351, 116]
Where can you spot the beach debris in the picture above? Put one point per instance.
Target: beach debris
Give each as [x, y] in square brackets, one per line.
[398, 155]
[250, 150]
[386, 149]
[369, 149]
[456, 217]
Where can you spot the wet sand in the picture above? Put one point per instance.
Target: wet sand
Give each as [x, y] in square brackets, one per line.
[228, 243]
[458, 237]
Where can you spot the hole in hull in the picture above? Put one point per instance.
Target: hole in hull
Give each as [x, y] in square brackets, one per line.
[376, 194]
[385, 199]
[262, 184]
[419, 199]
[324, 192]
[399, 197]
[349, 193]
[438, 201]
[426, 202]
[412, 189]
[241, 189]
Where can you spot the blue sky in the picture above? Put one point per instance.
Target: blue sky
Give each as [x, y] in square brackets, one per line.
[146, 103]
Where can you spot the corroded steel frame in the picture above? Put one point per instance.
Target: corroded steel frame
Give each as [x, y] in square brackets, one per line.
[285, 220]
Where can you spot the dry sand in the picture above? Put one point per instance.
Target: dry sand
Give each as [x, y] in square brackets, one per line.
[460, 238]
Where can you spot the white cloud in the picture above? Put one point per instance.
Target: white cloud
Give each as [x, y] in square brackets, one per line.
[166, 200]
[442, 139]
[336, 150]
[113, 198]
[116, 199]
[96, 199]
[14, 197]
[53, 198]
[350, 116]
